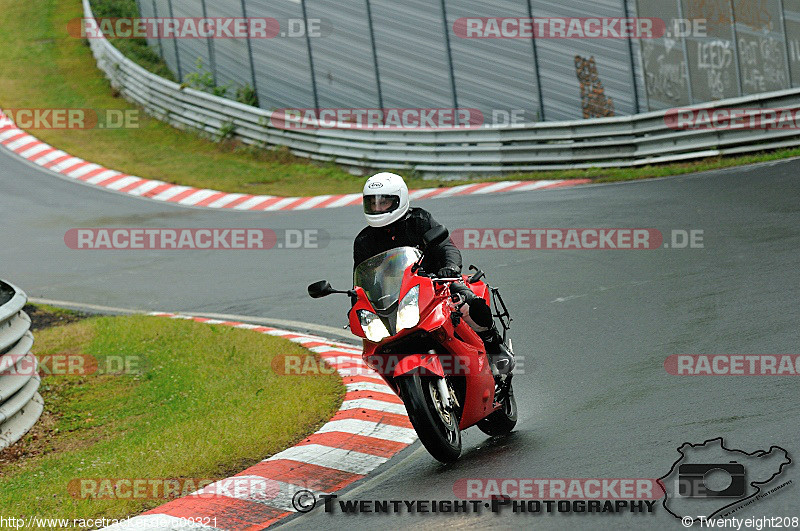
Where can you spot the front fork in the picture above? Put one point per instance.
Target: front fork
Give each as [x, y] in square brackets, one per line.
[444, 392]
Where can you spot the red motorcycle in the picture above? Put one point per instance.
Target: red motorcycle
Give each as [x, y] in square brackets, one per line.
[416, 338]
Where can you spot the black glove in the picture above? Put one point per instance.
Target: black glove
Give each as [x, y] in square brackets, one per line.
[448, 272]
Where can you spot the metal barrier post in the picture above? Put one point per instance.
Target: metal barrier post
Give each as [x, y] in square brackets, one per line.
[374, 55]
[158, 32]
[250, 54]
[449, 55]
[540, 95]
[175, 42]
[211, 60]
[310, 55]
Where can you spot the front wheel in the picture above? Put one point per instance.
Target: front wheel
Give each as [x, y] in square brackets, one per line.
[504, 419]
[436, 426]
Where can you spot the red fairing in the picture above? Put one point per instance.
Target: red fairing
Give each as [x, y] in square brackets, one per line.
[425, 364]
[361, 304]
[461, 352]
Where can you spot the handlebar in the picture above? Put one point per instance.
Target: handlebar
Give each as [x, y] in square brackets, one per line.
[477, 276]
[433, 277]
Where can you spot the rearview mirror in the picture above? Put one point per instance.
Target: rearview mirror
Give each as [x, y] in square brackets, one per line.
[435, 236]
[320, 289]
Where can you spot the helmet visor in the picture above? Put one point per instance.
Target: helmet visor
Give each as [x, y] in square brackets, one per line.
[380, 204]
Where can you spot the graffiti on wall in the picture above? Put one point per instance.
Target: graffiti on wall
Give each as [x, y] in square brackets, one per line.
[665, 71]
[715, 59]
[594, 101]
[762, 63]
[753, 13]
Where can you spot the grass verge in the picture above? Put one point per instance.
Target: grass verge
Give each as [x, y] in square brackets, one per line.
[45, 316]
[43, 67]
[207, 405]
[135, 49]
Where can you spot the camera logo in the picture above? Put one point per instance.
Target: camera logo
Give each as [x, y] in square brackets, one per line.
[698, 481]
[709, 478]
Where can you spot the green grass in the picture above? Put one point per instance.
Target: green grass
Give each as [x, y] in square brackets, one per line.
[136, 49]
[43, 67]
[46, 308]
[208, 405]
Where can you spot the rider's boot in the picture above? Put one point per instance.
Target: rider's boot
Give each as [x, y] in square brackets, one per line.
[500, 353]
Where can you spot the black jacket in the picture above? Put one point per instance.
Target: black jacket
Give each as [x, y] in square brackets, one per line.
[407, 232]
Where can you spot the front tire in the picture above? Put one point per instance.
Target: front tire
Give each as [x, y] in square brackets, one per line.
[436, 427]
[504, 419]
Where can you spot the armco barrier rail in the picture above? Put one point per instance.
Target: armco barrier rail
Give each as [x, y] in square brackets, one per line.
[605, 142]
[20, 403]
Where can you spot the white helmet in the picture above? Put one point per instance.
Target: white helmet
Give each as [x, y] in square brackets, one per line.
[385, 199]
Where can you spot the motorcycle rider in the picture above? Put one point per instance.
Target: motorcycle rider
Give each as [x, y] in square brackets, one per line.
[392, 222]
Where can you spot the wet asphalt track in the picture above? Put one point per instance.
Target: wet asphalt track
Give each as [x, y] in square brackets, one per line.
[594, 327]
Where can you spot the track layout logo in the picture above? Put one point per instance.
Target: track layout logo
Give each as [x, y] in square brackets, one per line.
[710, 478]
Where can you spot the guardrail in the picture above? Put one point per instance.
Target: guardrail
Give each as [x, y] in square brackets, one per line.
[20, 403]
[605, 142]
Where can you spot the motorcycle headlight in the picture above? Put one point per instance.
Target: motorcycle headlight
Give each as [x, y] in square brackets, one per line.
[373, 327]
[408, 311]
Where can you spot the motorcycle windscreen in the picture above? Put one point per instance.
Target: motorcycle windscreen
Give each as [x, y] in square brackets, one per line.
[381, 276]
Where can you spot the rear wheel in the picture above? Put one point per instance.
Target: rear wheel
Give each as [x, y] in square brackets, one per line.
[504, 419]
[436, 425]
